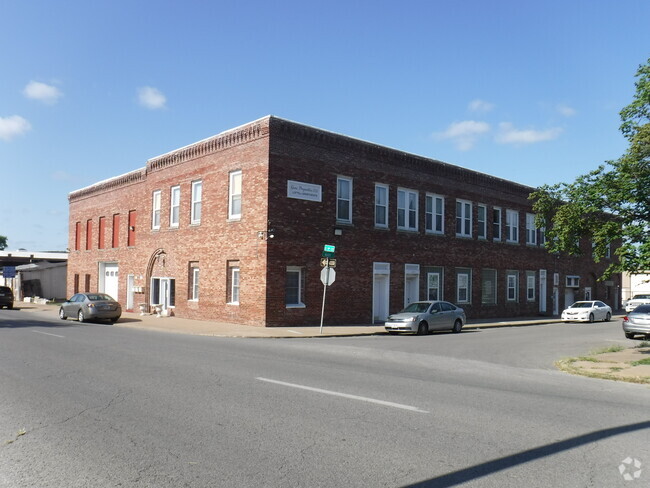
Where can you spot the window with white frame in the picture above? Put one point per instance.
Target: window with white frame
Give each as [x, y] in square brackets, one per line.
[344, 199]
[194, 281]
[512, 226]
[155, 212]
[463, 285]
[496, 224]
[234, 286]
[434, 291]
[197, 196]
[463, 218]
[482, 222]
[530, 286]
[489, 287]
[294, 287]
[512, 285]
[381, 205]
[435, 209]
[234, 195]
[174, 206]
[407, 209]
[542, 236]
[531, 230]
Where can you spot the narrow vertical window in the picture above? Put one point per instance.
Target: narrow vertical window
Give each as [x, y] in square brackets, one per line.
[75, 285]
[155, 210]
[197, 195]
[463, 285]
[130, 238]
[86, 283]
[234, 195]
[489, 287]
[482, 222]
[463, 218]
[174, 206]
[234, 285]
[294, 287]
[381, 206]
[512, 278]
[433, 286]
[77, 236]
[116, 230]
[101, 240]
[512, 226]
[530, 286]
[344, 199]
[496, 224]
[407, 209]
[194, 281]
[531, 230]
[89, 234]
[434, 210]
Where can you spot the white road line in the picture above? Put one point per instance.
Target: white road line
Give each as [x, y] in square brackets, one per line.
[345, 395]
[47, 333]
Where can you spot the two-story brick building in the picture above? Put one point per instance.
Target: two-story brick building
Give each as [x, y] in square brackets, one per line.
[232, 228]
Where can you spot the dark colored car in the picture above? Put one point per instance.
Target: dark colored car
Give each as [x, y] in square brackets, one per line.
[637, 323]
[91, 306]
[6, 297]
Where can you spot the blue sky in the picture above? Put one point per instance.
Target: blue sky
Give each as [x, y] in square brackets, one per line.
[528, 91]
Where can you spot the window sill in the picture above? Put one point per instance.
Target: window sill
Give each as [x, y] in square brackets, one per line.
[296, 305]
[233, 303]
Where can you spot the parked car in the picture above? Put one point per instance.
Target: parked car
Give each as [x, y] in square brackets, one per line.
[637, 323]
[587, 311]
[6, 297]
[423, 317]
[637, 300]
[91, 306]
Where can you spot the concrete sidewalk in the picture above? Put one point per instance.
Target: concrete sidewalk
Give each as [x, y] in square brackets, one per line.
[224, 329]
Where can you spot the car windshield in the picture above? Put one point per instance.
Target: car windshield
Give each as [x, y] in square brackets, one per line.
[99, 296]
[642, 309]
[417, 307]
[641, 297]
[582, 305]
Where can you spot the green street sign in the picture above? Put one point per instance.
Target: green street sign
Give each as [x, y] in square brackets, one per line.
[328, 251]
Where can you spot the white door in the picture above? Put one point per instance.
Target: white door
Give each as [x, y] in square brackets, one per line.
[569, 297]
[556, 301]
[380, 292]
[129, 291]
[542, 291]
[111, 280]
[411, 283]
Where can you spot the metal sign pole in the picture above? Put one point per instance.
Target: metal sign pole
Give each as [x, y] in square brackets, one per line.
[322, 312]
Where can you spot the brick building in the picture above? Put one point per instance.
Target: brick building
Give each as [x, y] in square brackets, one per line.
[232, 228]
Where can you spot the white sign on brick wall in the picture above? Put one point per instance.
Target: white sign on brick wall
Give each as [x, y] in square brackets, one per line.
[304, 191]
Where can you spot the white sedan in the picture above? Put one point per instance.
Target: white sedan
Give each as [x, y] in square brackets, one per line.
[587, 311]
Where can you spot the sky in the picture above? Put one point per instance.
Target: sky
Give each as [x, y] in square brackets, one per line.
[526, 91]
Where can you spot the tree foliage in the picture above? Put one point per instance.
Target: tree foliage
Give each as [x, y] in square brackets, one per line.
[3, 243]
[610, 205]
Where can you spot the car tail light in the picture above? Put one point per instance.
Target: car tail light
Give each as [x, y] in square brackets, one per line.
[625, 319]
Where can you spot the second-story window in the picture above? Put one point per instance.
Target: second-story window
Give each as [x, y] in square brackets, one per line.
[531, 230]
[174, 206]
[512, 226]
[463, 218]
[381, 206]
[407, 209]
[435, 208]
[344, 199]
[234, 195]
[496, 224]
[482, 222]
[155, 210]
[197, 195]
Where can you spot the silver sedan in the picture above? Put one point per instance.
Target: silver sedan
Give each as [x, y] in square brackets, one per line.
[423, 317]
[637, 322]
[90, 306]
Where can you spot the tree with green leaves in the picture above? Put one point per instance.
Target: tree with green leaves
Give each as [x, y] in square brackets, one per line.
[3, 243]
[610, 205]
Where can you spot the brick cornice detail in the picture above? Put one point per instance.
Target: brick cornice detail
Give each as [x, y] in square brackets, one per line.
[119, 181]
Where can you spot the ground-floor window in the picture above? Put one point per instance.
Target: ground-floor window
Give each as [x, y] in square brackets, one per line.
[294, 287]
[512, 280]
[530, 286]
[194, 281]
[463, 285]
[434, 285]
[489, 287]
[163, 292]
[233, 282]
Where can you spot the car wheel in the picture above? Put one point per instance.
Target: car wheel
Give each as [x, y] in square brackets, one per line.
[80, 316]
[115, 319]
[458, 325]
[608, 317]
[10, 306]
[591, 318]
[62, 315]
[423, 328]
[629, 335]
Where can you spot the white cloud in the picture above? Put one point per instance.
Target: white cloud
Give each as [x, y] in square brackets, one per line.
[44, 93]
[464, 134]
[480, 106]
[151, 98]
[13, 126]
[509, 135]
[566, 110]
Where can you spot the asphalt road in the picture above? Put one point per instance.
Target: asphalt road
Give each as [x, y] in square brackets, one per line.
[102, 406]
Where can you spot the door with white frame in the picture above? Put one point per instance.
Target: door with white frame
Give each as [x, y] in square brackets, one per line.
[163, 292]
[411, 283]
[109, 279]
[380, 291]
[542, 291]
[130, 280]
